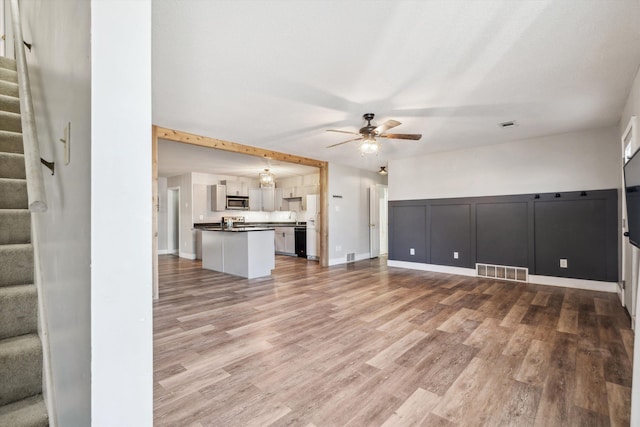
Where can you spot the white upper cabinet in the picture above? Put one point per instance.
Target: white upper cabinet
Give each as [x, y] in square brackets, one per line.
[236, 188]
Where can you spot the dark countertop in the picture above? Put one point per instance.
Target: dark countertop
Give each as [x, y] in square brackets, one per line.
[213, 225]
[236, 229]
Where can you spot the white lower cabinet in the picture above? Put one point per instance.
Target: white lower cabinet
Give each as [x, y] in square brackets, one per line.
[285, 240]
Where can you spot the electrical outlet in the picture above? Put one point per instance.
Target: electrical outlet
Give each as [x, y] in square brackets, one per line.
[455, 255]
[201, 216]
[563, 263]
[412, 251]
[338, 248]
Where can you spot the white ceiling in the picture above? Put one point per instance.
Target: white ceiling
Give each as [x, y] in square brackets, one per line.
[277, 74]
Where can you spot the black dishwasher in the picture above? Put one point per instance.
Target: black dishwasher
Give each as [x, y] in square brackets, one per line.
[301, 241]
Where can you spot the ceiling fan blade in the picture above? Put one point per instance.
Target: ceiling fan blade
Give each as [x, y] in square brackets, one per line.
[342, 131]
[344, 142]
[386, 126]
[413, 136]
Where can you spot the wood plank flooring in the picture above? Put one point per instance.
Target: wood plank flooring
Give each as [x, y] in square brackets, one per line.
[368, 345]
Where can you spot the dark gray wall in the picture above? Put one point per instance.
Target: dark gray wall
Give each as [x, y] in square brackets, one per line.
[528, 230]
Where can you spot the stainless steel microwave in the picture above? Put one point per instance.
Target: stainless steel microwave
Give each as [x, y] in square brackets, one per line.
[237, 203]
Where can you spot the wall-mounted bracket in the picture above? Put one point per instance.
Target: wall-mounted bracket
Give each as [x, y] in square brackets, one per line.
[28, 45]
[50, 165]
[66, 141]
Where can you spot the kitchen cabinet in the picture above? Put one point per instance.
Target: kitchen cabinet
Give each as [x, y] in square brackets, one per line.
[290, 192]
[255, 199]
[218, 197]
[247, 254]
[277, 199]
[262, 199]
[268, 199]
[235, 188]
[285, 240]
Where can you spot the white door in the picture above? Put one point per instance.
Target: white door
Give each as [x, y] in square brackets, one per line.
[173, 220]
[374, 221]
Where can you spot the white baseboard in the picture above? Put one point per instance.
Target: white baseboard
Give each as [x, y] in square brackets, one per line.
[590, 285]
[187, 255]
[165, 251]
[432, 267]
[343, 259]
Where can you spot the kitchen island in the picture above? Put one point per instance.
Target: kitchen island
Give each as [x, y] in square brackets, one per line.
[241, 251]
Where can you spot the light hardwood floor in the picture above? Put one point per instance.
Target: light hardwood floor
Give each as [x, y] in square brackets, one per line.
[367, 345]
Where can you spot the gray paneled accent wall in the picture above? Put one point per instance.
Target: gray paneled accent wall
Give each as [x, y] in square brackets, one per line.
[527, 230]
[450, 229]
[413, 237]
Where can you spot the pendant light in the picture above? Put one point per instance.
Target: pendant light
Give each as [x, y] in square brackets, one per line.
[266, 179]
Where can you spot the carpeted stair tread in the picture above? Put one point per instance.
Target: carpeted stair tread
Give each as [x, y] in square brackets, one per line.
[12, 165]
[13, 194]
[15, 226]
[20, 368]
[29, 412]
[9, 103]
[19, 312]
[8, 63]
[9, 88]
[11, 142]
[17, 265]
[8, 75]
[10, 121]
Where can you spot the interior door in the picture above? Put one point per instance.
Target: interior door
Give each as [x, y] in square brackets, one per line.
[374, 221]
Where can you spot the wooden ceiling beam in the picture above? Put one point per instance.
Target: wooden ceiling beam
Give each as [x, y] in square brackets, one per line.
[204, 141]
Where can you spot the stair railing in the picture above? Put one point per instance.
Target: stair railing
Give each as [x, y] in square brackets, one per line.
[35, 182]
[36, 199]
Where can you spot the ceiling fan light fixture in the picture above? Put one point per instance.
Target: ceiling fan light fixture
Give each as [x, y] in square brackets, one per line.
[383, 170]
[369, 145]
[266, 179]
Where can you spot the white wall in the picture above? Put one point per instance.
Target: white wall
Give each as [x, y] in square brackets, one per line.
[632, 108]
[587, 160]
[60, 72]
[349, 214]
[121, 210]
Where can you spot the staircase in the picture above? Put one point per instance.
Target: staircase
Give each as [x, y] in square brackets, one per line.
[21, 402]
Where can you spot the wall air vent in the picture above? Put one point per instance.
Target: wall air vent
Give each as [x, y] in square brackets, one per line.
[503, 272]
[351, 257]
[508, 124]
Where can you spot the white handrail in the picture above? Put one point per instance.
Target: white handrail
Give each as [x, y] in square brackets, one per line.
[35, 182]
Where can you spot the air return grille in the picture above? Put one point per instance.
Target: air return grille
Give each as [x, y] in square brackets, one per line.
[503, 272]
[351, 257]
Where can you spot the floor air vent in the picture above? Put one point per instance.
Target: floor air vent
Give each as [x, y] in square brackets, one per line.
[351, 257]
[503, 272]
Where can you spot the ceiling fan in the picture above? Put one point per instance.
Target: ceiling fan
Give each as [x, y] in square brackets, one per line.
[367, 134]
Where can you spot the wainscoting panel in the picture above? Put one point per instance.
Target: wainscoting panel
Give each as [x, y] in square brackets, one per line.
[534, 231]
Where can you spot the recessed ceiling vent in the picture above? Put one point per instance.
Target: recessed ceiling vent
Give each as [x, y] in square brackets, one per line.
[508, 124]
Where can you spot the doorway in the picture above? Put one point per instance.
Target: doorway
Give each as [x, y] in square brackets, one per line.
[173, 220]
[378, 220]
